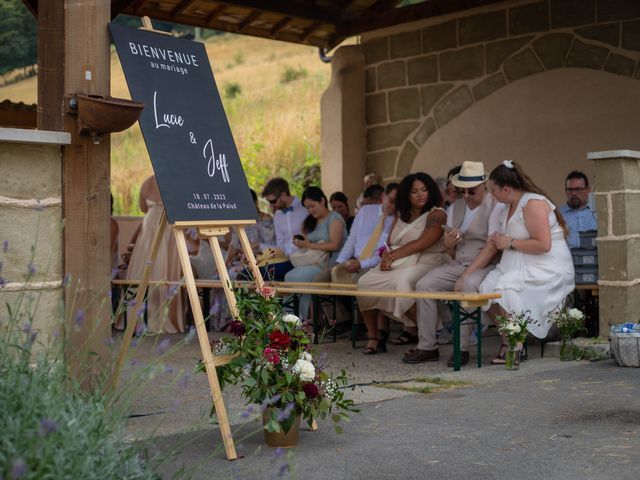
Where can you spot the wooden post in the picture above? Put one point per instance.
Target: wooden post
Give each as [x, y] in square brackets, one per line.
[86, 202]
[50, 61]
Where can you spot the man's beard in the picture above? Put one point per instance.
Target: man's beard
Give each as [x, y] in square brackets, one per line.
[574, 202]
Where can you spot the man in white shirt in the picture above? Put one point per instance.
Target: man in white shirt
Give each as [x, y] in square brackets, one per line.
[369, 232]
[470, 221]
[289, 214]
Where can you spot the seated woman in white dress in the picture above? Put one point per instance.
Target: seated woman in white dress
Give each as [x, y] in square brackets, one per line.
[415, 247]
[535, 273]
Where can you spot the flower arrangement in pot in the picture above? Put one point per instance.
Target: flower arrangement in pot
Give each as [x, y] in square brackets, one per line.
[514, 327]
[569, 322]
[274, 364]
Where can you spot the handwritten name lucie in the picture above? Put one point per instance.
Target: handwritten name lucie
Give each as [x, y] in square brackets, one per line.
[168, 119]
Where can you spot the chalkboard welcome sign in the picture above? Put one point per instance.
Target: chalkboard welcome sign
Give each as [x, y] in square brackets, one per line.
[185, 127]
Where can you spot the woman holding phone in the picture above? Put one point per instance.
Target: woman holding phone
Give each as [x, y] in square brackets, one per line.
[324, 233]
[414, 247]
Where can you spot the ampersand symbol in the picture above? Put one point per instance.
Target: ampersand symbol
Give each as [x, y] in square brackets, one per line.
[192, 138]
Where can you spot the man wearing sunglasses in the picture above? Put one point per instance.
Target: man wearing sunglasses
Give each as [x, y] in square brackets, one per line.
[576, 212]
[470, 220]
[289, 214]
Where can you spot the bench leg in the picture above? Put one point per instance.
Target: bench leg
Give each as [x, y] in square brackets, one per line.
[478, 317]
[456, 335]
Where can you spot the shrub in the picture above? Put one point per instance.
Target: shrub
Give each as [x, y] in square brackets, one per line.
[232, 89]
[238, 58]
[291, 74]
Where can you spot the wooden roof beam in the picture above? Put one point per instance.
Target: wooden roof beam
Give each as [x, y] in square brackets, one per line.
[290, 9]
[309, 30]
[215, 13]
[279, 26]
[117, 7]
[181, 7]
[249, 19]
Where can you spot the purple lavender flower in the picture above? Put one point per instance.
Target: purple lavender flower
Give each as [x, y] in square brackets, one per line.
[247, 412]
[32, 336]
[31, 269]
[269, 401]
[132, 303]
[48, 426]
[171, 292]
[279, 452]
[18, 470]
[139, 329]
[184, 381]
[114, 273]
[26, 327]
[5, 246]
[284, 468]
[285, 413]
[143, 308]
[80, 318]
[3, 282]
[168, 369]
[66, 280]
[163, 346]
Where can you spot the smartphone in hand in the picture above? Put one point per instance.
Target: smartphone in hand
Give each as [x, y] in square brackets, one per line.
[298, 237]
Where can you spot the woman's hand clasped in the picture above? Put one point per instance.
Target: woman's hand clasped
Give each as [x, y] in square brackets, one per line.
[387, 260]
[502, 242]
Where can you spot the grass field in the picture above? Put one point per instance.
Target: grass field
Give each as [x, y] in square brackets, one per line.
[271, 93]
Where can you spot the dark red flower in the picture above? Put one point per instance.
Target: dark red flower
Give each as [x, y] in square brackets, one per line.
[237, 328]
[278, 339]
[271, 355]
[310, 390]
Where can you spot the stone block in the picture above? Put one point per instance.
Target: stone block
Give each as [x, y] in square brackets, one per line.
[522, 65]
[626, 213]
[584, 55]
[376, 108]
[391, 75]
[498, 52]
[620, 65]
[619, 260]
[30, 171]
[427, 129]
[552, 49]
[618, 305]
[405, 44]
[406, 159]
[440, 37]
[610, 10]
[30, 228]
[608, 33]
[431, 94]
[422, 69]
[631, 35]
[376, 50]
[404, 104]
[603, 214]
[617, 174]
[530, 18]
[370, 80]
[482, 27]
[44, 305]
[384, 137]
[453, 105]
[463, 64]
[570, 13]
[383, 163]
[488, 86]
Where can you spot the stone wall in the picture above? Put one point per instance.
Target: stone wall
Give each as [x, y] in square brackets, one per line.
[31, 226]
[423, 78]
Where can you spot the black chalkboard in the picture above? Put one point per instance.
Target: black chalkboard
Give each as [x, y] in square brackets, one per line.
[184, 126]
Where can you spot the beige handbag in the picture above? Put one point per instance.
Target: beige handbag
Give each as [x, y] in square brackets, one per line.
[306, 256]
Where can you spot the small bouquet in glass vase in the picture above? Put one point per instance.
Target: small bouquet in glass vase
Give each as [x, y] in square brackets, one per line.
[514, 327]
[569, 322]
[276, 369]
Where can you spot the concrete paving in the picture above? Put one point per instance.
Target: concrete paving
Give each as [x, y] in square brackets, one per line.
[550, 419]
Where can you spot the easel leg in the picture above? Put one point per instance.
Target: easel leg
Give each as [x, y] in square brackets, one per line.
[203, 338]
[140, 293]
[246, 246]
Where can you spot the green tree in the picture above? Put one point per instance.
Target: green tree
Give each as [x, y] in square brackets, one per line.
[18, 37]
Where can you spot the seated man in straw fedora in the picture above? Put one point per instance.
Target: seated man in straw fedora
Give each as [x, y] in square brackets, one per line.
[470, 220]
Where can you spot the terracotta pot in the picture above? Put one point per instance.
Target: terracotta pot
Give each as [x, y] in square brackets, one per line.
[106, 114]
[282, 439]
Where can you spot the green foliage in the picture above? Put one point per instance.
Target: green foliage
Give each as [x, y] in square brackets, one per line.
[238, 58]
[274, 364]
[291, 74]
[514, 326]
[18, 36]
[49, 428]
[232, 89]
[569, 321]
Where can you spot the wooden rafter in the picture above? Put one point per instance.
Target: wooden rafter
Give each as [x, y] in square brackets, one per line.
[248, 20]
[290, 9]
[137, 5]
[279, 26]
[181, 7]
[309, 30]
[215, 13]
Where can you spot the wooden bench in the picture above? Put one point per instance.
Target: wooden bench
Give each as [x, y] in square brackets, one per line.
[465, 306]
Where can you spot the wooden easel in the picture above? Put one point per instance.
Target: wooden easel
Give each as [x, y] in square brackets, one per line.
[212, 230]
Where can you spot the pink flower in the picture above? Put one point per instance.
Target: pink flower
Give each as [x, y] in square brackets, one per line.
[267, 292]
[271, 355]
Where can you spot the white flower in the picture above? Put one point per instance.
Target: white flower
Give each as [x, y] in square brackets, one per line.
[291, 318]
[508, 164]
[306, 356]
[305, 370]
[575, 313]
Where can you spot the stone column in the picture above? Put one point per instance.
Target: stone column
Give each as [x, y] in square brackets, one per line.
[342, 144]
[617, 180]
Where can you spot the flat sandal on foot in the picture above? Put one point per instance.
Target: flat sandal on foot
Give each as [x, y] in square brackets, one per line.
[500, 358]
[405, 338]
[380, 347]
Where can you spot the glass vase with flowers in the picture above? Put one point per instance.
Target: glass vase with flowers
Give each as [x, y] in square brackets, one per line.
[514, 327]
